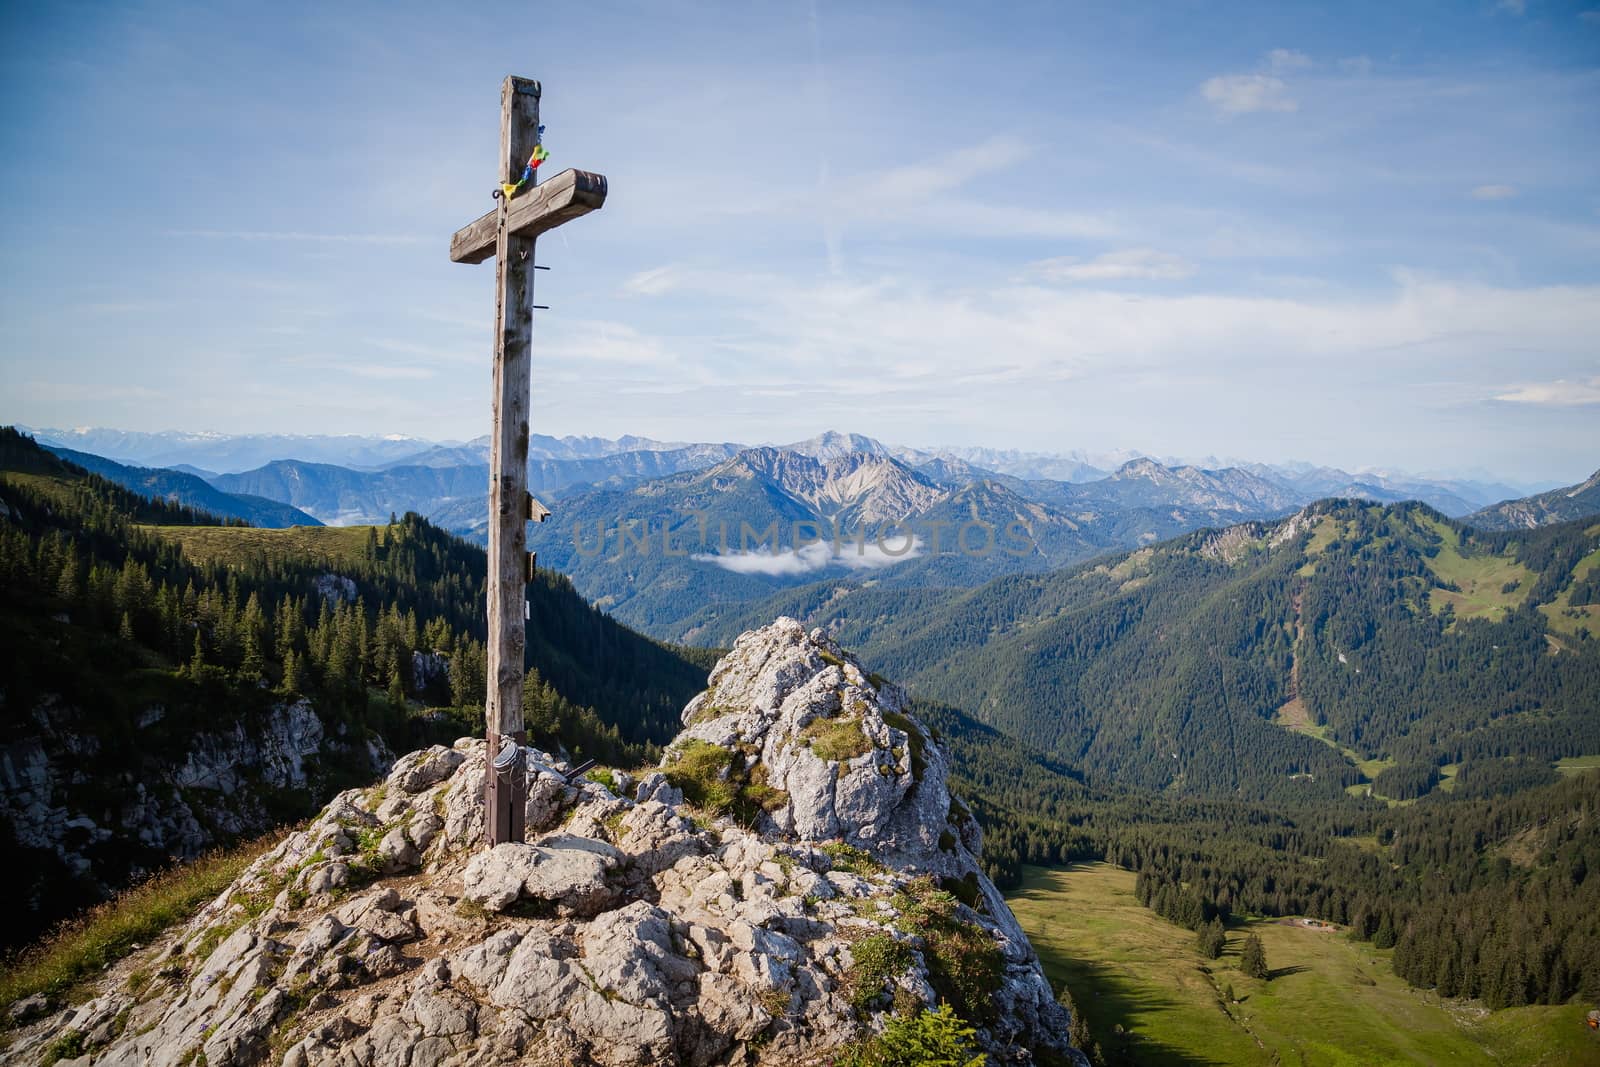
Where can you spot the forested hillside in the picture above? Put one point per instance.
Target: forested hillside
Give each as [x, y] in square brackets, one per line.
[1351, 645]
[145, 643]
[1494, 897]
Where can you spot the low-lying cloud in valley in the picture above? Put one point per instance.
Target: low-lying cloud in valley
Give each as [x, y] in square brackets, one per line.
[786, 562]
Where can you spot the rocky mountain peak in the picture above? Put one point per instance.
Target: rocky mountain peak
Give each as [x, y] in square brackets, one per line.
[831, 444]
[792, 875]
[1141, 467]
[850, 487]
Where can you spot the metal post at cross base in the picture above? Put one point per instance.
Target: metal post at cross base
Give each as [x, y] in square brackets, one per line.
[524, 211]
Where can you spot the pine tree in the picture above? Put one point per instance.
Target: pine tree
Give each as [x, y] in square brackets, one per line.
[1253, 958]
[294, 674]
[1078, 1030]
[252, 631]
[1384, 938]
[67, 583]
[1210, 939]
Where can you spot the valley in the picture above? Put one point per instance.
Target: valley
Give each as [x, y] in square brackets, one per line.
[1329, 1000]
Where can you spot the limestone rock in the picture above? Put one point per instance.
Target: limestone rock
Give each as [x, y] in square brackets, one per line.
[624, 930]
[419, 770]
[570, 873]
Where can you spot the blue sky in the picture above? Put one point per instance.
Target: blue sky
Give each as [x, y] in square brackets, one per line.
[1353, 234]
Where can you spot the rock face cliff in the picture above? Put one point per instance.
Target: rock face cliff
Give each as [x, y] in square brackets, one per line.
[90, 814]
[793, 875]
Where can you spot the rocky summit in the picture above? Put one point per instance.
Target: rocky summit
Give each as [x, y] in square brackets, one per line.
[791, 878]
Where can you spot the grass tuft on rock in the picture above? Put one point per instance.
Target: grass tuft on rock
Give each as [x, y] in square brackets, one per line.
[846, 857]
[69, 1046]
[837, 740]
[717, 780]
[878, 957]
[964, 963]
[701, 771]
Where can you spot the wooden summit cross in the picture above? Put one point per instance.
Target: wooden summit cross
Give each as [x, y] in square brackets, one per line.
[507, 233]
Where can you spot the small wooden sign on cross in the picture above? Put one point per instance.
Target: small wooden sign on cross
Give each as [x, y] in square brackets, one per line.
[508, 234]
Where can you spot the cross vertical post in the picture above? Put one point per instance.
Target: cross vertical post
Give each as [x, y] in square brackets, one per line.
[506, 789]
[508, 233]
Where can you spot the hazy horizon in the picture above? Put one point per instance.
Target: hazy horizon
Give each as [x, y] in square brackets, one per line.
[1107, 458]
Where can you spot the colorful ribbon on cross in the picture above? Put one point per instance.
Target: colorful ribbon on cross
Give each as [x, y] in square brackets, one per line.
[539, 156]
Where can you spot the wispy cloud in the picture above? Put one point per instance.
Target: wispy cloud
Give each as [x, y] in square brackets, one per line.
[653, 282]
[1133, 264]
[1240, 94]
[1494, 192]
[385, 372]
[933, 193]
[378, 370]
[127, 307]
[302, 236]
[942, 173]
[591, 341]
[1559, 393]
[1286, 59]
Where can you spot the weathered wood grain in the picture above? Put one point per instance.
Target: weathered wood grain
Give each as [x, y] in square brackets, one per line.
[508, 468]
[564, 197]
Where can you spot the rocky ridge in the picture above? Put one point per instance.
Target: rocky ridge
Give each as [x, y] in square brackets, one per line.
[792, 875]
[1527, 513]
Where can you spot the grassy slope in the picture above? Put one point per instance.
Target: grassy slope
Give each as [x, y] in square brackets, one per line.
[236, 544]
[81, 949]
[1482, 578]
[1331, 1000]
[1577, 764]
[1562, 615]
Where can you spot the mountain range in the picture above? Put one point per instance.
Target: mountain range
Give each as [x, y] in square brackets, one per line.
[439, 485]
[657, 552]
[219, 453]
[193, 491]
[1541, 509]
[212, 453]
[1349, 645]
[667, 536]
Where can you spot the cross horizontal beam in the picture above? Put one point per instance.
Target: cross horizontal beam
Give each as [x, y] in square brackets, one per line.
[544, 207]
